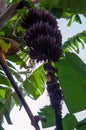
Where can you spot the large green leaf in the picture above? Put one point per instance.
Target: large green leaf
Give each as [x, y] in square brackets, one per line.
[72, 74]
[49, 114]
[73, 6]
[69, 122]
[82, 125]
[34, 84]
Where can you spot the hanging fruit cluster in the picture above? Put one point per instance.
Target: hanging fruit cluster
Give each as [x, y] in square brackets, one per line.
[45, 43]
[42, 35]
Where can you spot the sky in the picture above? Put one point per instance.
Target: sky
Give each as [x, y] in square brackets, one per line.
[19, 118]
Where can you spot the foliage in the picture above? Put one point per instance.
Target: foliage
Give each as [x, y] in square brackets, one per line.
[31, 79]
[49, 114]
[4, 46]
[73, 43]
[68, 73]
[74, 6]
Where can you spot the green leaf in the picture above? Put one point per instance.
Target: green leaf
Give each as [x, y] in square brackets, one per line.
[15, 72]
[69, 122]
[9, 104]
[34, 85]
[49, 4]
[73, 6]
[70, 21]
[57, 12]
[5, 109]
[1, 118]
[73, 43]
[1, 128]
[49, 114]
[5, 112]
[74, 18]
[4, 45]
[16, 98]
[77, 19]
[72, 73]
[82, 125]
[17, 60]
[4, 80]
[4, 91]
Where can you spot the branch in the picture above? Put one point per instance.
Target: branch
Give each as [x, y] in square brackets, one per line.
[35, 1]
[4, 65]
[14, 29]
[11, 11]
[7, 14]
[2, 6]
